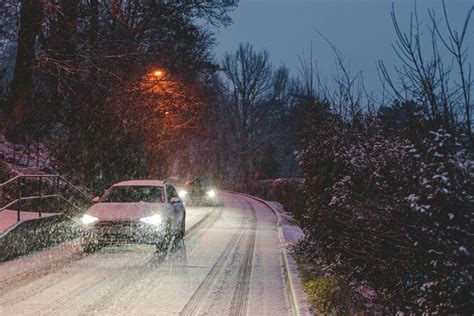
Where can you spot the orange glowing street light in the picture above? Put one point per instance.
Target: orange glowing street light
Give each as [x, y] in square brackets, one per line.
[158, 73]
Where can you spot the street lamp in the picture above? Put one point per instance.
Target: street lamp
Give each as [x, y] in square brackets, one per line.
[158, 73]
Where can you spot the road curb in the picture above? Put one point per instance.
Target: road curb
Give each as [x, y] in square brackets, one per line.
[297, 297]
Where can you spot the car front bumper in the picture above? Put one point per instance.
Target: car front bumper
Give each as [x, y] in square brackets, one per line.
[118, 232]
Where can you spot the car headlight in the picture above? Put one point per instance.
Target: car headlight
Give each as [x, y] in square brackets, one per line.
[182, 193]
[87, 219]
[211, 193]
[153, 220]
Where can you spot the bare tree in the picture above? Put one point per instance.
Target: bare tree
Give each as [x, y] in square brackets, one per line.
[454, 43]
[21, 86]
[255, 91]
[424, 77]
[418, 77]
[348, 96]
[312, 85]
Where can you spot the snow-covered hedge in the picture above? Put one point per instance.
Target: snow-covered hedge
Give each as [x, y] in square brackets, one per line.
[392, 218]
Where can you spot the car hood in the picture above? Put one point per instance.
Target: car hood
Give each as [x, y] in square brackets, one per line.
[124, 211]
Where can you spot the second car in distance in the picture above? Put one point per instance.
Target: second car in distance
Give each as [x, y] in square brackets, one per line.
[199, 191]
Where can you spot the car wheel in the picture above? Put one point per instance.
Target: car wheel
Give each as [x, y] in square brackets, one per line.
[182, 230]
[160, 246]
[167, 238]
[90, 247]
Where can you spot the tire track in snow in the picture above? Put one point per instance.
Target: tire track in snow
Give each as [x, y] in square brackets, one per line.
[12, 282]
[192, 306]
[110, 275]
[193, 234]
[240, 297]
[51, 282]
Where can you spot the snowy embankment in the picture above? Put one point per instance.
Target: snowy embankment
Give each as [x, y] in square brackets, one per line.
[32, 232]
[9, 218]
[290, 234]
[36, 234]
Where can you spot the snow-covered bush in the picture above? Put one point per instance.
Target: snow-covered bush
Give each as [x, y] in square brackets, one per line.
[443, 204]
[391, 214]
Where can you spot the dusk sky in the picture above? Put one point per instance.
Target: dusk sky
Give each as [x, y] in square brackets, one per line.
[361, 29]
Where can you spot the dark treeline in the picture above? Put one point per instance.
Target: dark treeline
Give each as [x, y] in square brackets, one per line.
[129, 89]
[113, 87]
[83, 80]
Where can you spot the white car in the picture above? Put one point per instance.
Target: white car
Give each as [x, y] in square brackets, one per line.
[139, 211]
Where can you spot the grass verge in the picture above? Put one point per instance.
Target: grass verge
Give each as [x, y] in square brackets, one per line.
[327, 295]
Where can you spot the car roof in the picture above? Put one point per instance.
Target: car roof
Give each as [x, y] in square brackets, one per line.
[157, 183]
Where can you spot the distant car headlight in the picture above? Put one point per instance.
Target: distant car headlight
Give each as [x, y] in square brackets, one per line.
[182, 193]
[211, 193]
[153, 220]
[87, 219]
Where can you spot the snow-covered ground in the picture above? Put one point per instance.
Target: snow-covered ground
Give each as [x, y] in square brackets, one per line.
[229, 263]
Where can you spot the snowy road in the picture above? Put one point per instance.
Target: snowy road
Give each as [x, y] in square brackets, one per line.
[228, 264]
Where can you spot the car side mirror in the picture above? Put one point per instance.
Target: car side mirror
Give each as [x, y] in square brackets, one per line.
[96, 199]
[175, 200]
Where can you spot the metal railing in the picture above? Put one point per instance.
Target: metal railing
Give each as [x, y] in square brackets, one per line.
[48, 187]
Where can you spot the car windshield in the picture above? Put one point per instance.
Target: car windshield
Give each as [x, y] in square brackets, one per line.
[134, 194]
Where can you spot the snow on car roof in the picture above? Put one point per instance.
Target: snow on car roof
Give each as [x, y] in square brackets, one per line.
[157, 183]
